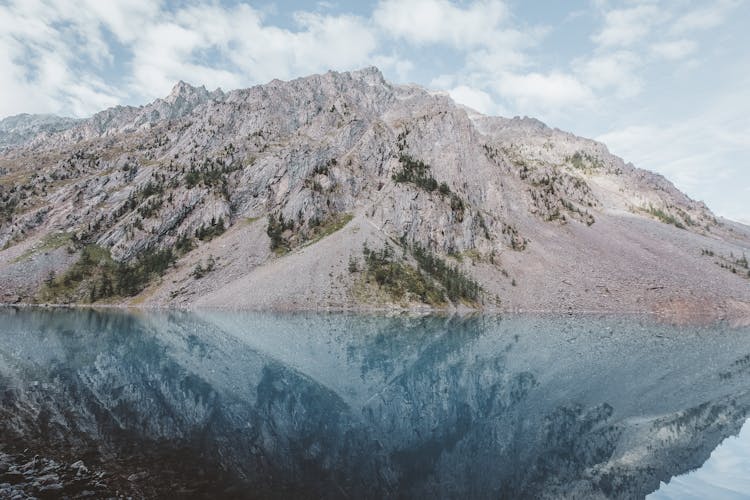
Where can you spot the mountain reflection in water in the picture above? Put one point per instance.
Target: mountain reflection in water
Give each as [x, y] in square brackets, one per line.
[216, 404]
[724, 476]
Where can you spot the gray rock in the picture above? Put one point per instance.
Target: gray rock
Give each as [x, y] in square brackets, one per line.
[541, 218]
[138, 476]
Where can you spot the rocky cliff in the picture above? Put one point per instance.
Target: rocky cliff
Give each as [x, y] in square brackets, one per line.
[340, 191]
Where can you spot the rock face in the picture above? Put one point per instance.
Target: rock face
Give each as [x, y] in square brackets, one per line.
[478, 210]
[19, 129]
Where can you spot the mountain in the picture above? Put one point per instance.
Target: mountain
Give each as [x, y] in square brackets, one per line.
[342, 190]
[19, 129]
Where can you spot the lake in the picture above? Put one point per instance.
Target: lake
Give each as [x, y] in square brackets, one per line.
[238, 405]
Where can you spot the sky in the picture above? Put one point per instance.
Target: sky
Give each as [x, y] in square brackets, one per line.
[665, 84]
[722, 477]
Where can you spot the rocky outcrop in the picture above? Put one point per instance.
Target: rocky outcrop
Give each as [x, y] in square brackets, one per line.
[539, 218]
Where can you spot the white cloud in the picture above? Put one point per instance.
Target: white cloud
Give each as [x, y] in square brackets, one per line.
[441, 21]
[18, 97]
[394, 65]
[53, 49]
[325, 5]
[124, 18]
[676, 151]
[615, 71]
[704, 18]
[50, 52]
[444, 81]
[164, 55]
[674, 50]
[537, 91]
[474, 98]
[243, 50]
[624, 27]
[335, 42]
[507, 53]
[693, 156]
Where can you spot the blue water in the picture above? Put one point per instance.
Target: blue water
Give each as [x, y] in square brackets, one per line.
[244, 405]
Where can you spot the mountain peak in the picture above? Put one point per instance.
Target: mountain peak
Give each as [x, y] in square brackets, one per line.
[183, 90]
[370, 74]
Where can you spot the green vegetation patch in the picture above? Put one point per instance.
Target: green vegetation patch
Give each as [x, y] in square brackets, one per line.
[8, 205]
[458, 286]
[96, 276]
[327, 228]
[288, 234]
[432, 282]
[664, 217]
[418, 173]
[734, 264]
[151, 207]
[399, 279]
[584, 161]
[517, 242]
[277, 227]
[548, 193]
[214, 229]
[147, 199]
[584, 216]
[184, 244]
[212, 174]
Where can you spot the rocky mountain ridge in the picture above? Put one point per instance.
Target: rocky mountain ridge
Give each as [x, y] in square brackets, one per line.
[342, 191]
[20, 129]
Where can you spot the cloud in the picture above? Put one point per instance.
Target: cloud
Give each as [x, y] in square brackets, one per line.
[444, 81]
[677, 151]
[674, 50]
[474, 98]
[635, 36]
[165, 54]
[338, 42]
[624, 27]
[124, 19]
[53, 51]
[704, 18]
[614, 71]
[537, 91]
[394, 65]
[230, 47]
[441, 21]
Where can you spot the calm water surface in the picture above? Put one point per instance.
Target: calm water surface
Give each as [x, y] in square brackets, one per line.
[245, 405]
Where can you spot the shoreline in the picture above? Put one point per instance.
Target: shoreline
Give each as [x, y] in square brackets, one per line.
[681, 316]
